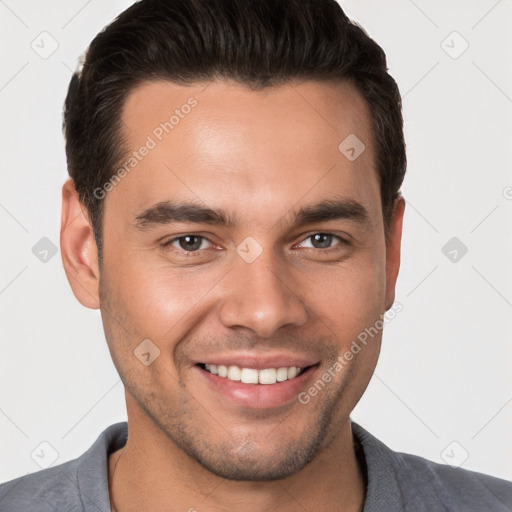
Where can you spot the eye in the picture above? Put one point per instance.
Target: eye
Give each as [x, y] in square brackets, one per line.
[187, 243]
[323, 241]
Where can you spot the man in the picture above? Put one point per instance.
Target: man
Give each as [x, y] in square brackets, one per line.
[234, 211]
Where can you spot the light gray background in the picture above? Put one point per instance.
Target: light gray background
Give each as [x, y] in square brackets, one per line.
[444, 373]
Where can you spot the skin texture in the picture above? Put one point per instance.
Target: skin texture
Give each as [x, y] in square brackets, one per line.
[260, 156]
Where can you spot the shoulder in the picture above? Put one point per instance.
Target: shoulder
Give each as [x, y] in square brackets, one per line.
[50, 489]
[455, 488]
[78, 485]
[410, 482]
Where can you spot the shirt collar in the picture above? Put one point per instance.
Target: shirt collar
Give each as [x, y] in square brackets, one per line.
[93, 488]
[382, 490]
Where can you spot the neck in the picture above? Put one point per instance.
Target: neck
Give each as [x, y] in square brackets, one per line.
[152, 473]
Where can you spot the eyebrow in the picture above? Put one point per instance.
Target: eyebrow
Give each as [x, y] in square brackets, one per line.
[168, 212]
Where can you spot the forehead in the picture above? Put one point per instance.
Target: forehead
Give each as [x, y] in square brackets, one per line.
[234, 148]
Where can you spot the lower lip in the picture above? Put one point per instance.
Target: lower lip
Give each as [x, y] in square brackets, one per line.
[258, 396]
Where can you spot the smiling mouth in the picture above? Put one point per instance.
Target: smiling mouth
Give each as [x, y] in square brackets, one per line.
[253, 376]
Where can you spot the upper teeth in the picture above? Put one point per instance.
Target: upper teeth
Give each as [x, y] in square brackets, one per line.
[253, 376]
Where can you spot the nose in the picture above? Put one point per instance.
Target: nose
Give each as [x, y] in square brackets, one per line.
[261, 296]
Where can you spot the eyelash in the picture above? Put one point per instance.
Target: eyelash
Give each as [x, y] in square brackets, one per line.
[167, 244]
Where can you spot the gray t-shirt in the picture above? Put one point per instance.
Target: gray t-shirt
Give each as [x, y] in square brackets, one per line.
[395, 482]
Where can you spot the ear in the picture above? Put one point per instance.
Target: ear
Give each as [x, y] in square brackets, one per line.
[78, 248]
[393, 250]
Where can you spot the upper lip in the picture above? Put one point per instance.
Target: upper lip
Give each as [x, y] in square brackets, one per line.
[258, 362]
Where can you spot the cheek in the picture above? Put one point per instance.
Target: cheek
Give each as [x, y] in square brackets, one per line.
[162, 301]
[351, 295]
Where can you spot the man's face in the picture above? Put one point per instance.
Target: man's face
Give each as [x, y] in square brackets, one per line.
[264, 291]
